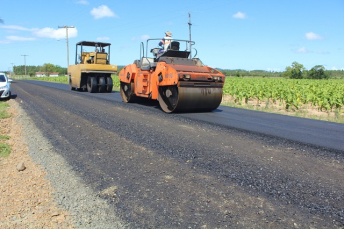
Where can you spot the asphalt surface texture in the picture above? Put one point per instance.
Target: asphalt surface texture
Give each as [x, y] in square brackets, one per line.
[230, 168]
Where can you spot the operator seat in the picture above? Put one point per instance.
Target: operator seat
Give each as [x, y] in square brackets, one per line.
[175, 45]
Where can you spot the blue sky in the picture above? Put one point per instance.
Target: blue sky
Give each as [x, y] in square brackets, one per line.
[231, 34]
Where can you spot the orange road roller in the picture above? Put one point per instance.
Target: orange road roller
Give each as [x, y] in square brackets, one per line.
[179, 82]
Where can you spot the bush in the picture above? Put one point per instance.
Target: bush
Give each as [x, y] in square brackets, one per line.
[295, 71]
[318, 72]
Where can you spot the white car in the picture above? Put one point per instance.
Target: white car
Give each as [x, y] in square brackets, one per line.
[5, 86]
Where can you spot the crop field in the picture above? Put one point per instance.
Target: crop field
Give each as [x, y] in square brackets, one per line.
[59, 79]
[326, 95]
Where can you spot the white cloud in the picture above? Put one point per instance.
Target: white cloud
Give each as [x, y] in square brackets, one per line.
[143, 37]
[302, 50]
[102, 11]
[312, 36]
[15, 27]
[55, 33]
[17, 38]
[239, 15]
[103, 38]
[83, 2]
[35, 32]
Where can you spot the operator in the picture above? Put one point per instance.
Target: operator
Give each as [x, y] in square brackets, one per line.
[166, 41]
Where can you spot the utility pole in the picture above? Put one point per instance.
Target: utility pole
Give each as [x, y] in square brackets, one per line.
[12, 70]
[67, 27]
[25, 62]
[190, 32]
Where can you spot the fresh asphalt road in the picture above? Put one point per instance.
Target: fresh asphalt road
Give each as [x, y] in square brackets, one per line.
[313, 132]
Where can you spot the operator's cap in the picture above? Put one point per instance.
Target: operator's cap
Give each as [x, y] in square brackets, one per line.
[168, 33]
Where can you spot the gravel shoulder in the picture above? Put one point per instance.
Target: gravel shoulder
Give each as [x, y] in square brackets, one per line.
[26, 196]
[47, 194]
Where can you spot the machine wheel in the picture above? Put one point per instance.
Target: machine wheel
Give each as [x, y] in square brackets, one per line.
[102, 84]
[109, 84]
[168, 98]
[92, 84]
[70, 85]
[127, 92]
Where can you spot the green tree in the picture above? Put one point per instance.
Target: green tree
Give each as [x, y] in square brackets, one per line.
[295, 71]
[318, 72]
[47, 67]
[20, 69]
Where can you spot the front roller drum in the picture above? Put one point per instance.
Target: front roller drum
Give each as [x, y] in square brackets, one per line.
[182, 99]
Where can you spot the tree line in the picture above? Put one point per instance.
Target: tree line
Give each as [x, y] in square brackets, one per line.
[295, 71]
[298, 71]
[253, 73]
[31, 69]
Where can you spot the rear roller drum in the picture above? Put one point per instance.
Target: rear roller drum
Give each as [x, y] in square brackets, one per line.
[127, 92]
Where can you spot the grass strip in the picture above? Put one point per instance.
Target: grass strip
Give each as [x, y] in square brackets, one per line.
[4, 137]
[3, 110]
[5, 150]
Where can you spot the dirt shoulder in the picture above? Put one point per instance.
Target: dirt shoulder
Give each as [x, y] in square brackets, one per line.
[26, 199]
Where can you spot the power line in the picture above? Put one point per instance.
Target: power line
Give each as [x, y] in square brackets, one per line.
[67, 27]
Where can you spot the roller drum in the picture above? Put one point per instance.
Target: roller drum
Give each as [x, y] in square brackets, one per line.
[182, 99]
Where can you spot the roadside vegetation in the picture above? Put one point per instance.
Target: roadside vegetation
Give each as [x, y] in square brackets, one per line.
[64, 80]
[46, 68]
[295, 71]
[316, 99]
[5, 149]
[316, 93]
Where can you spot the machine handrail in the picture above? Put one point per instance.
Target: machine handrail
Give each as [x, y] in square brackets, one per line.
[158, 39]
